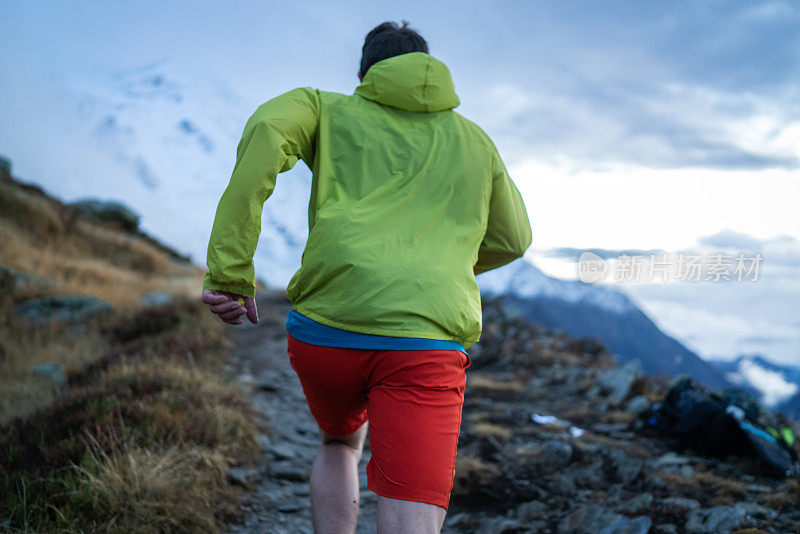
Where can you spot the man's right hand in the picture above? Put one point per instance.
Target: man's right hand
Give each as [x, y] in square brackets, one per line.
[227, 306]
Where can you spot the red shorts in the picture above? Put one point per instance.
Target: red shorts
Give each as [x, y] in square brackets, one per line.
[413, 401]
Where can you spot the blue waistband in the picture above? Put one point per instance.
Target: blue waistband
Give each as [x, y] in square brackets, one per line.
[315, 333]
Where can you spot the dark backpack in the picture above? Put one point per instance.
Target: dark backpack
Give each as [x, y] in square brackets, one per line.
[720, 424]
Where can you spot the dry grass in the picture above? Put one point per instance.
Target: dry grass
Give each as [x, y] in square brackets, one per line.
[703, 485]
[476, 382]
[785, 499]
[151, 414]
[176, 490]
[472, 474]
[478, 417]
[76, 270]
[619, 416]
[41, 236]
[140, 436]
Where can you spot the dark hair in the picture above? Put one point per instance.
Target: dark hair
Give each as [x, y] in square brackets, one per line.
[387, 40]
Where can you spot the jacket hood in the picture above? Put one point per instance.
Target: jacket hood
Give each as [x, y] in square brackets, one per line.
[415, 82]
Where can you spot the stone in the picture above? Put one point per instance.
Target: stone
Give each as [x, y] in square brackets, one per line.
[595, 519]
[289, 508]
[246, 379]
[243, 476]
[563, 486]
[503, 525]
[625, 467]
[53, 371]
[267, 386]
[679, 503]
[555, 454]
[264, 442]
[157, 299]
[590, 476]
[637, 504]
[618, 381]
[60, 308]
[609, 428]
[530, 510]
[666, 528]
[637, 405]
[12, 280]
[288, 471]
[282, 451]
[460, 521]
[716, 520]
[670, 459]
[302, 490]
[756, 510]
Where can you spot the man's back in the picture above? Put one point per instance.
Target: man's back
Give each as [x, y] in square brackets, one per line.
[409, 200]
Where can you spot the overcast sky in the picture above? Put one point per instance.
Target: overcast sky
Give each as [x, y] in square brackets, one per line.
[626, 125]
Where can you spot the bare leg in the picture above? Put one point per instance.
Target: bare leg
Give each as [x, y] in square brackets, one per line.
[334, 483]
[408, 517]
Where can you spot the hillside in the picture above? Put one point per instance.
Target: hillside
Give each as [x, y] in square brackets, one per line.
[117, 410]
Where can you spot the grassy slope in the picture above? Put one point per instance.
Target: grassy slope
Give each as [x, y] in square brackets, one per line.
[141, 435]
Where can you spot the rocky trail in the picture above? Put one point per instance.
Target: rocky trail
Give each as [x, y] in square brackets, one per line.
[548, 445]
[279, 499]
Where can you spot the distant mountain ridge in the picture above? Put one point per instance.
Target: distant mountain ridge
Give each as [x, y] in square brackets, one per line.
[583, 309]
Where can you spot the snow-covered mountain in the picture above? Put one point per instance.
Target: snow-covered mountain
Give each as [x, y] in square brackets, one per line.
[523, 280]
[167, 138]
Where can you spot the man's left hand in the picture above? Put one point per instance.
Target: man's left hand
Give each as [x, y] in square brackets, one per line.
[230, 307]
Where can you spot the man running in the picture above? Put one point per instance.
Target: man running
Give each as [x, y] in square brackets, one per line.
[409, 201]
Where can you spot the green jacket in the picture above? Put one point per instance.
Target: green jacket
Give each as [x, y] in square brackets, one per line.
[409, 201]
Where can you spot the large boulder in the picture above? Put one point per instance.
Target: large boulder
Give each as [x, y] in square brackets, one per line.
[108, 211]
[60, 308]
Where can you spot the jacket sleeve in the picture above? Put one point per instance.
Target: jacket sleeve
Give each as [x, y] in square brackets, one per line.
[508, 230]
[279, 132]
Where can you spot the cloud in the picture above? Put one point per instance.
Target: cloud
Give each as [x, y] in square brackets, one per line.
[731, 239]
[771, 384]
[667, 126]
[781, 250]
[709, 85]
[570, 253]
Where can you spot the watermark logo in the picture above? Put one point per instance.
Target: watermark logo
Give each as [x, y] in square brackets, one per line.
[714, 267]
[592, 268]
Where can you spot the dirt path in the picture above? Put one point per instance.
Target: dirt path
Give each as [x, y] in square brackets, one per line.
[279, 502]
